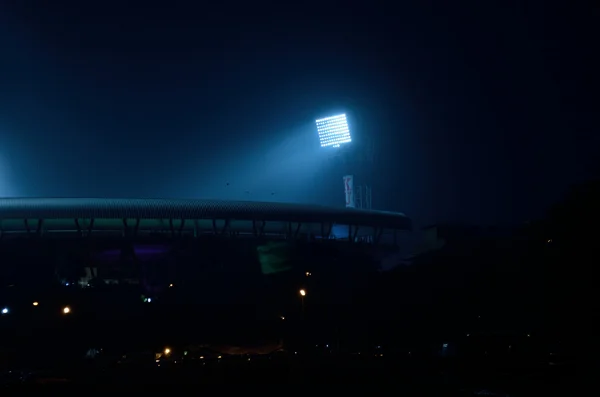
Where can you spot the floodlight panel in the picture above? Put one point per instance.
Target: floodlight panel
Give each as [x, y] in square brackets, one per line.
[333, 131]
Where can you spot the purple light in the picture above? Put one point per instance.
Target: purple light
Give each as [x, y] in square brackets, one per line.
[150, 250]
[141, 252]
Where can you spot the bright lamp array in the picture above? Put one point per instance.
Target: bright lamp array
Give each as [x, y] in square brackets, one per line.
[333, 131]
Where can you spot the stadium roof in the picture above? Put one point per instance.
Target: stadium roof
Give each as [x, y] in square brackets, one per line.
[17, 211]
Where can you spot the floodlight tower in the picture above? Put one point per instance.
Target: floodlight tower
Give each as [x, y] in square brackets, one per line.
[334, 133]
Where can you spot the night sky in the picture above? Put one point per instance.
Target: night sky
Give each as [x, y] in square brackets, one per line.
[483, 112]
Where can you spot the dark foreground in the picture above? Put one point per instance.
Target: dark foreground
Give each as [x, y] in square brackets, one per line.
[440, 376]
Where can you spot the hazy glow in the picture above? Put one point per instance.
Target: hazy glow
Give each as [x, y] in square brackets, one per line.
[6, 189]
[333, 131]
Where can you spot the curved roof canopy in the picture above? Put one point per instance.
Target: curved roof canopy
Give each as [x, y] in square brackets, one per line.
[44, 216]
[99, 208]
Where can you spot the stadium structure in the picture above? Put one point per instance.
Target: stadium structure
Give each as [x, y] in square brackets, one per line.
[60, 217]
[155, 241]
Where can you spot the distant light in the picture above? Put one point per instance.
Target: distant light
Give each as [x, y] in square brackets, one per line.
[333, 131]
[308, 274]
[35, 303]
[282, 317]
[170, 285]
[149, 300]
[67, 284]
[167, 351]
[302, 292]
[5, 310]
[66, 310]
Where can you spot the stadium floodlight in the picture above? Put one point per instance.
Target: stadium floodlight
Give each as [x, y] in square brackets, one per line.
[333, 131]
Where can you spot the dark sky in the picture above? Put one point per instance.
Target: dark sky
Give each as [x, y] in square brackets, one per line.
[481, 111]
